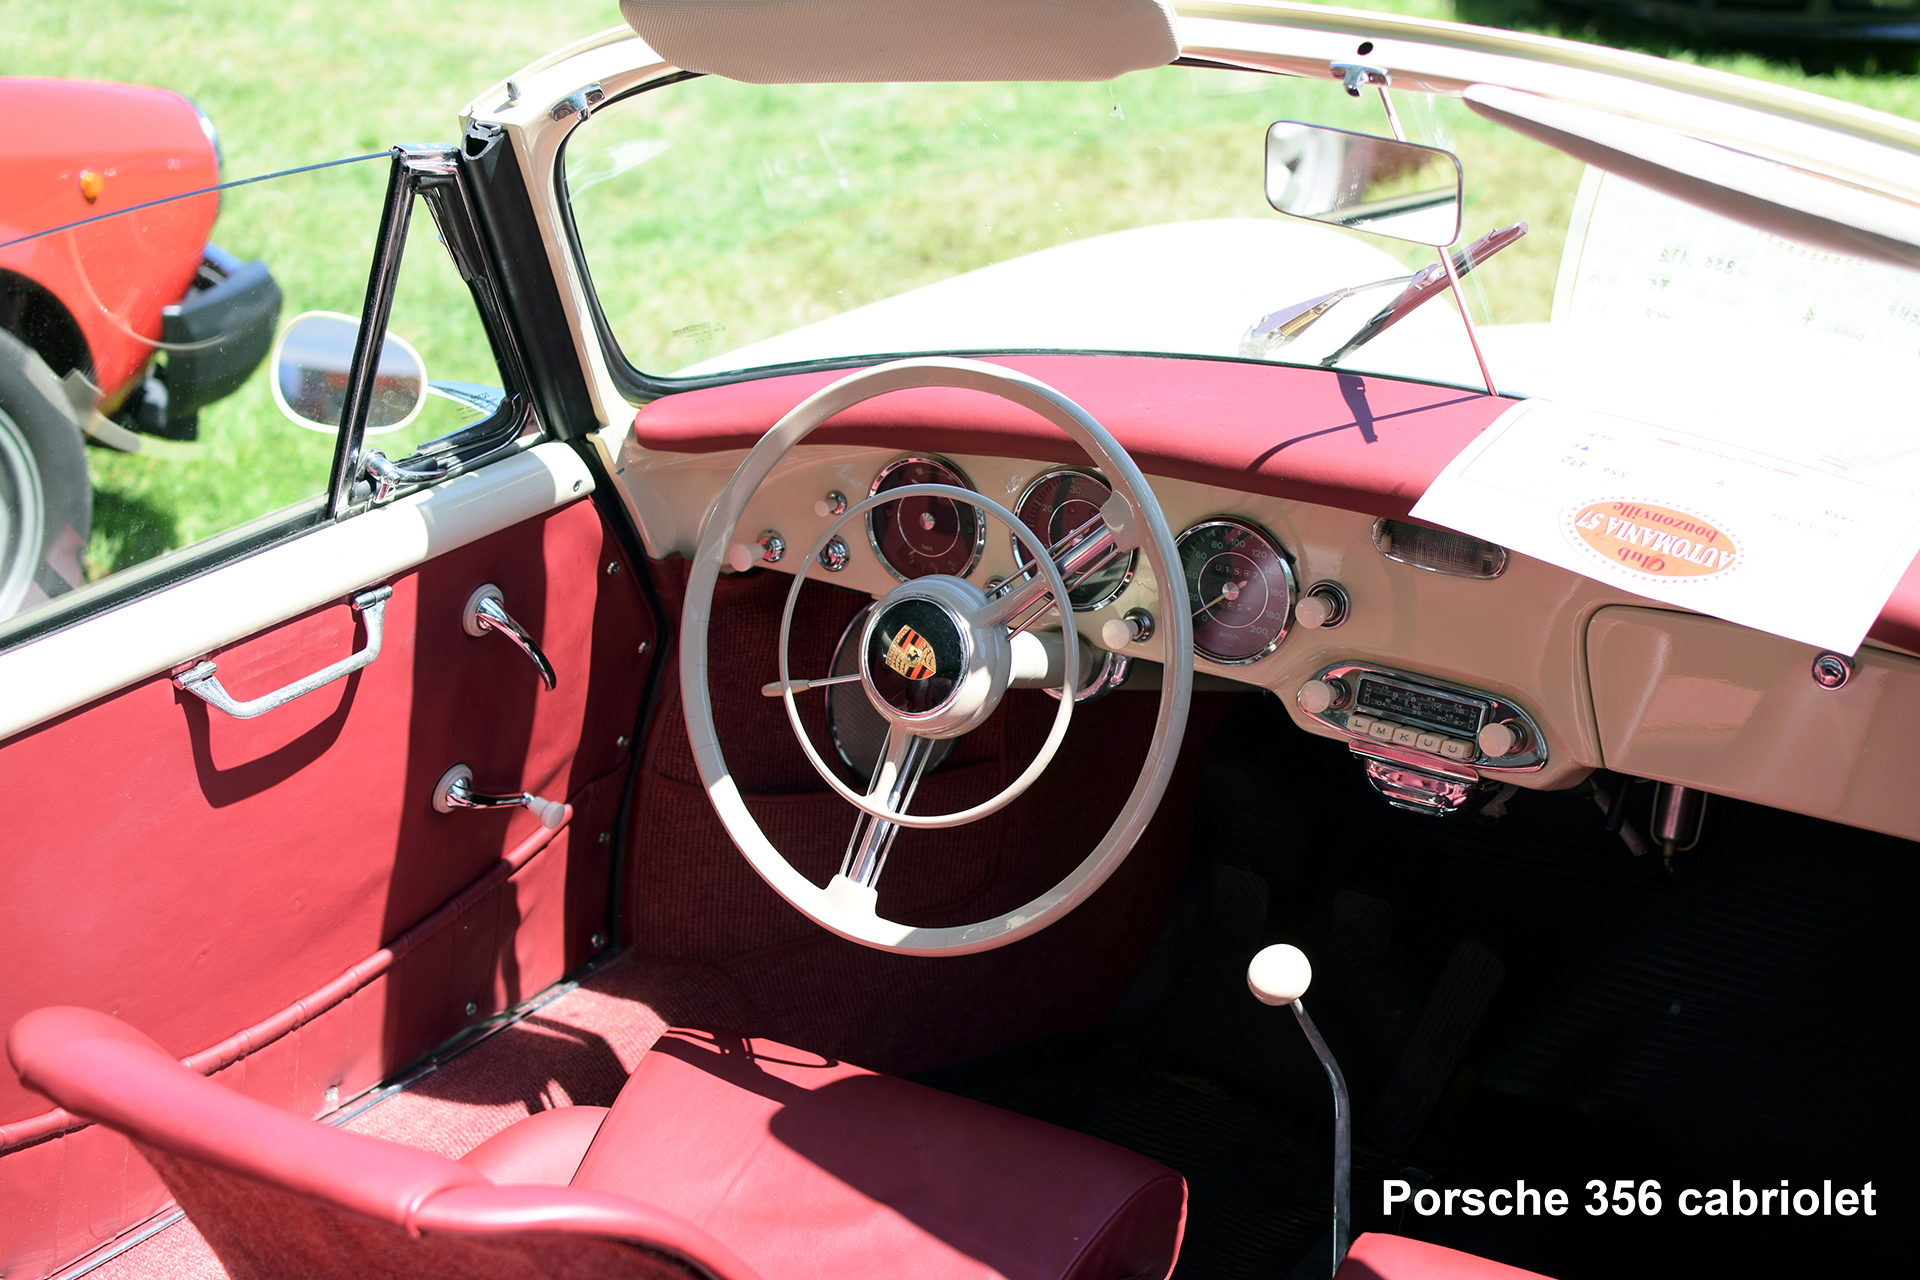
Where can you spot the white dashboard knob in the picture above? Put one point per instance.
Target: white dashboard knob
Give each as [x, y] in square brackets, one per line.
[1279, 974]
[832, 505]
[1316, 696]
[1502, 738]
[740, 557]
[1130, 628]
[1313, 611]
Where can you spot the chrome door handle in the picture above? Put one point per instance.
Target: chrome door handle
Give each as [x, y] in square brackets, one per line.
[486, 611]
[455, 791]
[201, 682]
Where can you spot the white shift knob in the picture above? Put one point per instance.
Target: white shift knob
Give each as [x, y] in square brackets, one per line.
[1279, 974]
[1115, 634]
[1313, 611]
[740, 557]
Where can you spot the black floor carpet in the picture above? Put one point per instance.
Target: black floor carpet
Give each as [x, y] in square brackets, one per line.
[1743, 1017]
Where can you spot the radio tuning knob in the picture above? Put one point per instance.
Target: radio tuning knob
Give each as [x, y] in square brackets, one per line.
[1503, 738]
[1317, 697]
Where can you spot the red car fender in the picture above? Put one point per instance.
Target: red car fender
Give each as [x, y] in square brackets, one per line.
[126, 144]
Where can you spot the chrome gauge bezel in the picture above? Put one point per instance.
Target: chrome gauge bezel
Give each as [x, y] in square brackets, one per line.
[930, 460]
[1133, 557]
[1286, 568]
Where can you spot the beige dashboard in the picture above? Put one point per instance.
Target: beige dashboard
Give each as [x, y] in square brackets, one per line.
[1610, 683]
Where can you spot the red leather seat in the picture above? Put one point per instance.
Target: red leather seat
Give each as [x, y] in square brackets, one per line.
[737, 1159]
[1378, 1256]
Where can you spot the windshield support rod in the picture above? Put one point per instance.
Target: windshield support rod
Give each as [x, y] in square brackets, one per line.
[1383, 81]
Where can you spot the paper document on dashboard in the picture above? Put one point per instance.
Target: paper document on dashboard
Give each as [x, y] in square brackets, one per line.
[1684, 519]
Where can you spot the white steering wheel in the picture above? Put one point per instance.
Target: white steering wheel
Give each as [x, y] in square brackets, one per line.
[935, 657]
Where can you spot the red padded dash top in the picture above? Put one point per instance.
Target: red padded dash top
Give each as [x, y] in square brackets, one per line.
[1339, 439]
[1357, 442]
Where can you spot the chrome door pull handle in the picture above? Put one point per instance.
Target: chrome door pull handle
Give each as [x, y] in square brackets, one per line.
[201, 682]
[486, 611]
[455, 791]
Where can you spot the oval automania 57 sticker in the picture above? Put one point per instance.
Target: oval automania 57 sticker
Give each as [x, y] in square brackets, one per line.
[1657, 541]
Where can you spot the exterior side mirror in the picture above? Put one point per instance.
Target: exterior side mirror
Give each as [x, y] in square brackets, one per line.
[311, 358]
[1358, 181]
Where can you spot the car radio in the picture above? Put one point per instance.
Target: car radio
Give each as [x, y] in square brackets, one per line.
[1443, 723]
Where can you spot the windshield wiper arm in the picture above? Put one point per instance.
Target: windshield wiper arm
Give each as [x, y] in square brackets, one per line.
[1424, 285]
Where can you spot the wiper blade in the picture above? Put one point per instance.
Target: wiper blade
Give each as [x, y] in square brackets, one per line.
[1278, 328]
[1424, 285]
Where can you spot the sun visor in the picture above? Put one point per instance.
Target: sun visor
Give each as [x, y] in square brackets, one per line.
[847, 41]
[1777, 198]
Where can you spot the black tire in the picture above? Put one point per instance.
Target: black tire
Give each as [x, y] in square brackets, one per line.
[46, 499]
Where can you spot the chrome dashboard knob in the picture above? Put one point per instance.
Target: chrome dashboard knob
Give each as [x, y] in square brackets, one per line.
[835, 556]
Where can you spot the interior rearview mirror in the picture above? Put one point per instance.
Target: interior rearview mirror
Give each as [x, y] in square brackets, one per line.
[311, 359]
[1355, 180]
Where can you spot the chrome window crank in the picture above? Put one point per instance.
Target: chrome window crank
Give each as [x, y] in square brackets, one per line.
[455, 791]
[486, 611]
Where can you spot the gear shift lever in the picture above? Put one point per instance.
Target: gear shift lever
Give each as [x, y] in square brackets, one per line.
[1280, 975]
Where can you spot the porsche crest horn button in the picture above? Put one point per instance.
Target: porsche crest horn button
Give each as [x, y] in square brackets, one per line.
[911, 655]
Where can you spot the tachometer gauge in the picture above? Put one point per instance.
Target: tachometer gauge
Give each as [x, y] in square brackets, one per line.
[915, 537]
[1055, 505]
[1240, 590]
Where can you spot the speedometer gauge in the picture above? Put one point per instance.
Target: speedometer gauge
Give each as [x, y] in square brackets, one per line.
[1240, 590]
[915, 537]
[1055, 505]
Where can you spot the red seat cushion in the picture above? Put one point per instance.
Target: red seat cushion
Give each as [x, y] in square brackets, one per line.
[812, 1169]
[1378, 1256]
[543, 1150]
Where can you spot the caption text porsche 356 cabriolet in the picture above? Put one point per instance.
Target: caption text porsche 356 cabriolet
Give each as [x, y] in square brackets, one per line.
[1022, 547]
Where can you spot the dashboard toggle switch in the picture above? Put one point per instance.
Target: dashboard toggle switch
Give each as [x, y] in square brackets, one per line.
[835, 503]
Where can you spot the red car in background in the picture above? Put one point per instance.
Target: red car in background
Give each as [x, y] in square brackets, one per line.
[110, 328]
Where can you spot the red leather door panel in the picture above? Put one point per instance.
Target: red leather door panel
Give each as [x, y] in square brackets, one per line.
[287, 877]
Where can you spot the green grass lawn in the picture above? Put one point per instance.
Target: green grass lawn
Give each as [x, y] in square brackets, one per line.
[292, 84]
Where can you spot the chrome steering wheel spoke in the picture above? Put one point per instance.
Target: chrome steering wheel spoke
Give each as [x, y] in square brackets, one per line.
[895, 778]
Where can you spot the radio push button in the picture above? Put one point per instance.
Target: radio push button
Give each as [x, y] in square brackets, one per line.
[1405, 736]
[1429, 742]
[1382, 730]
[1457, 749]
[1360, 724]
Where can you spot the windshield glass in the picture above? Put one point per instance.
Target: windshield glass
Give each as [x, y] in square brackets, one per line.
[731, 226]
